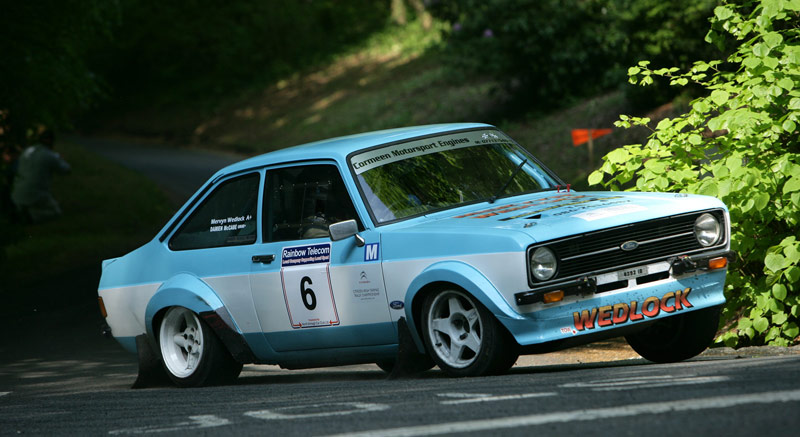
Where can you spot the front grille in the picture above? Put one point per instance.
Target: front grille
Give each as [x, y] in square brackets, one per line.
[599, 251]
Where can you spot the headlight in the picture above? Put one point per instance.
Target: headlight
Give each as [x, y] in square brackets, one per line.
[543, 264]
[707, 230]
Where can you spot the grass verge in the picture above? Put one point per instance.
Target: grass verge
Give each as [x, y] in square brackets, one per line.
[108, 211]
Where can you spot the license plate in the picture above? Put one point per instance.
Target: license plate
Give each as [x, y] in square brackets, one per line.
[631, 273]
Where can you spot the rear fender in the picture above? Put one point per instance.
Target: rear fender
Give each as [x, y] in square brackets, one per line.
[463, 276]
[188, 291]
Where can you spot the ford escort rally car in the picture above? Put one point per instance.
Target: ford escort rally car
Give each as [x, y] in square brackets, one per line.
[450, 239]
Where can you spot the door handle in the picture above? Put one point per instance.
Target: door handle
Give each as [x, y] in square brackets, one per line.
[263, 259]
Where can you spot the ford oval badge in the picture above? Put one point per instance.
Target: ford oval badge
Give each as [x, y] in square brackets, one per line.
[396, 305]
[629, 245]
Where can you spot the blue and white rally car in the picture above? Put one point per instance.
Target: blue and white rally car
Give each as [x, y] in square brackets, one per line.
[449, 239]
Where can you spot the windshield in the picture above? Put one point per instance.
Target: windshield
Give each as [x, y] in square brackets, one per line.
[413, 178]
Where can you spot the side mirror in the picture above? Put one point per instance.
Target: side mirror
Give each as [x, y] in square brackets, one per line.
[345, 229]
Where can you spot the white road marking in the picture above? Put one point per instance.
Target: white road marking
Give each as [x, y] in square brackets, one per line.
[196, 422]
[644, 382]
[496, 398]
[463, 395]
[583, 415]
[357, 407]
[3, 393]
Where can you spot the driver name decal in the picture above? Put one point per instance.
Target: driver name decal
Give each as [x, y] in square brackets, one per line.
[620, 313]
[230, 223]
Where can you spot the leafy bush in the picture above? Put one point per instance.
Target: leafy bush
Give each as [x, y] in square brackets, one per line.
[548, 51]
[540, 48]
[739, 143]
[45, 78]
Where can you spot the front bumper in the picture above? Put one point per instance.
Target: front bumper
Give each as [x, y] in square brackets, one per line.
[588, 285]
[579, 319]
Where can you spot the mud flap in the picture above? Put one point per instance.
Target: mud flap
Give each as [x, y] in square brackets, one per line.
[409, 361]
[151, 371]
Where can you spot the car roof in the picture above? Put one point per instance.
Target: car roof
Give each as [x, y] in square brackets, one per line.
[338, 148]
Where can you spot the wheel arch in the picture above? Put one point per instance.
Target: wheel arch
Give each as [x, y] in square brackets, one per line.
[449, 274]
[188, 291]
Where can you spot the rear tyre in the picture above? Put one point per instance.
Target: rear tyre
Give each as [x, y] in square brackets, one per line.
[463, 337]
[677, 338]
[192, 354]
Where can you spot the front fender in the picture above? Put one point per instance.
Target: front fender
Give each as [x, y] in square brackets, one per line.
[470, 280]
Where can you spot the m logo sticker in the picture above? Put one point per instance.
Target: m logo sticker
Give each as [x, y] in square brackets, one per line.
[372, 252]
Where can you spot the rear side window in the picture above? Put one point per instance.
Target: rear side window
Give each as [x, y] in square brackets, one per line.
[227, 217]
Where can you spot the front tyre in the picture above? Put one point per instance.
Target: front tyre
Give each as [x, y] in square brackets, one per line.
[193, 356]
[677, 338]
[463, 337]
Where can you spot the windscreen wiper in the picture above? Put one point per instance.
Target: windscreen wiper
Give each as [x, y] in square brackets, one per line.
[511, 178]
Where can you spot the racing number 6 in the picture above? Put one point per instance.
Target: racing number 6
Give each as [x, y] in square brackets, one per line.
[305, 292]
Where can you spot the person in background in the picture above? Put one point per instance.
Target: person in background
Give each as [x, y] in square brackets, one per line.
[31, 190]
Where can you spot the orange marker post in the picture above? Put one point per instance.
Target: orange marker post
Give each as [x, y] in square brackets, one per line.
[580, 136]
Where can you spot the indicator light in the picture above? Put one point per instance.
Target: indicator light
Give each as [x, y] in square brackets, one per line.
[554, 296]
[102, 307]
[717, 263]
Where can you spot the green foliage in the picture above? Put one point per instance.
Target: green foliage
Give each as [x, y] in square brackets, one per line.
[740, 144]
[539, 48]
[548, 51]
[45, 78]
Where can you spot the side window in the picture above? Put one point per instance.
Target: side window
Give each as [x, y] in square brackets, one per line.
[227, 217]
[300, 202]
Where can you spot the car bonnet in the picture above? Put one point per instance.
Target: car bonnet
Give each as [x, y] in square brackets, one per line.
[549, 215]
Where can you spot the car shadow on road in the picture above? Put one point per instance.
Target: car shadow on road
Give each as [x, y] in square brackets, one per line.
[263, 374]
[271, 375]
[554, 368]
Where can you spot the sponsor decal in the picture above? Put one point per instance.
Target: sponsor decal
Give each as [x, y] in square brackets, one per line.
[612, 211]
[620, 313]
[309, 254]
[588, 206]
[365, 290]
[491, 212]
[571, 203]
[489, 138]
[385, 155]
[372, 252]
[306, 282]
[567, 208]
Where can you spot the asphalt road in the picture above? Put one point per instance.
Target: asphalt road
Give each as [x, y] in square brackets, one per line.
[59, 375]
[87, 392]
[180, 172]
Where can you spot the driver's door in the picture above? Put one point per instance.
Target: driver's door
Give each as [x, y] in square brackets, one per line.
[310, 292]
